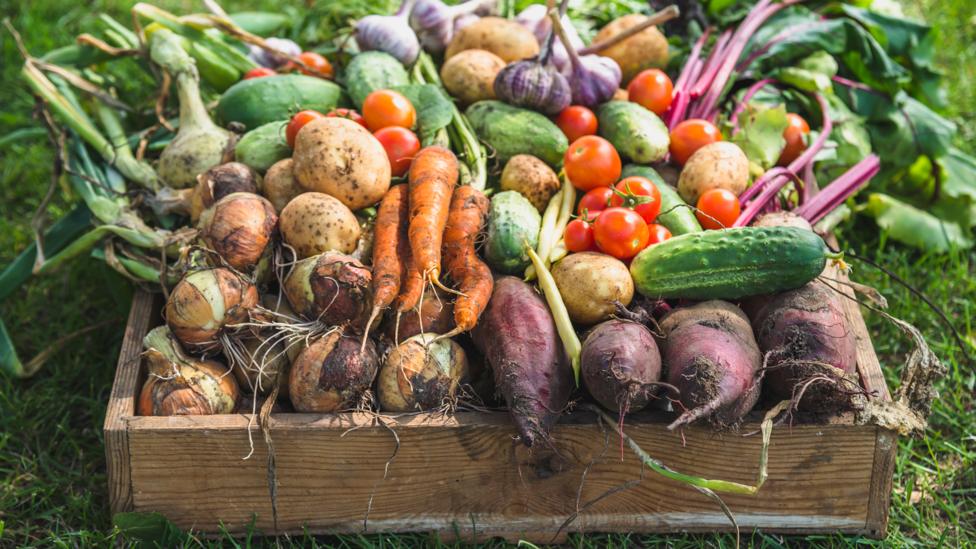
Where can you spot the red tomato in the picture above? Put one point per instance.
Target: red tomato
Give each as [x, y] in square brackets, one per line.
[651, 89]
[320, 65]
[717, 209]
[401, 147]
[620, 232]
[579, 236]
[590, 162]
[576, 121]
[691, 135]
[639, 194]
[658, 234]
[297, 123]
[347, 113]
[794, 134]
[594, 201]
[259, 72]
[384, 108]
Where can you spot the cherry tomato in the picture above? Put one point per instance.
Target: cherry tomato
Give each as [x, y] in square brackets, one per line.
[259, 72]
[658, 234]
[717, 209]
[594, 201]
[401, 147]
[579, 236]
[384, 108]
[297, 123]
[620, 232]
[651, 89]
[794, 134]
[347, 113]
[691, 135]
[590, 162]
[320, 65]
[576, 121]
[640, 195]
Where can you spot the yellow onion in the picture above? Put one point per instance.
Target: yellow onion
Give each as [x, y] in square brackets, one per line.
[333, 373]
[264, 358]
[204, 303]
[330, 287]
[422, 374]
[221, 181]
[239, 227]
[179, 385]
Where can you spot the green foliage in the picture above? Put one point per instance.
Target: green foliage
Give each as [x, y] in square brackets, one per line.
[761, 135]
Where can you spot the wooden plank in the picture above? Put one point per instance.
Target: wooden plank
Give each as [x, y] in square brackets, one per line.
[465, 475]
[121, 404]
[879, 504]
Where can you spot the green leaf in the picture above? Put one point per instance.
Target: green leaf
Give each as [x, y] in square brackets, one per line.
[910, 225]
[812, 73]
[434, 109]
[761, 135]
[148, 528]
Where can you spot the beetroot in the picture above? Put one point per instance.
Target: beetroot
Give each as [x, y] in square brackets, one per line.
[621, 365]
[518, 337]
[805, 336]
[711, 357]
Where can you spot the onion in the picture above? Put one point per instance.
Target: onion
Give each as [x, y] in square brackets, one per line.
[220, 181]
[422, 374]
[204, 303]
[333, 373]
[179, 385]
[330, 287]
[239, 227]
[264, 358]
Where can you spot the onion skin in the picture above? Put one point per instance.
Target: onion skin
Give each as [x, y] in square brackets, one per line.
[435, 313]
[332, 373]
[261, 377]
[330, 287]
[239, 228]
[421, 375]
[221, 181]
[204, 302]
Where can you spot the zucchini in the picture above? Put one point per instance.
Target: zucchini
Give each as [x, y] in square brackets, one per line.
[730, 263]
[636, 133]
[261, 147]
[258, 101]
[509, 131]
[373, 70]
[677, 216]
[512, 222]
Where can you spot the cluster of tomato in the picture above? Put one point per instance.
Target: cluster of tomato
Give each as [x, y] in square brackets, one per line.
[386, 113]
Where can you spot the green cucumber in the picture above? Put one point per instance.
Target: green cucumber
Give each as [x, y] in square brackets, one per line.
[676, 215]
[261, 23]
[509, 131]
[512, 221]
[730, 263]
[370, 71]
[636, 133]
[261, 147]
[259, 101]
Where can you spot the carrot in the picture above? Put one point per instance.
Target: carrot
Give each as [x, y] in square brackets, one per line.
[433, 175]
[388, 266]
[471, 276]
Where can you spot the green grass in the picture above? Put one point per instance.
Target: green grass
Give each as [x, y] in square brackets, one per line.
[52, 467]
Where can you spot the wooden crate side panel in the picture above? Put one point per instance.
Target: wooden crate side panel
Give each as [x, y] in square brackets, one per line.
[473, 480]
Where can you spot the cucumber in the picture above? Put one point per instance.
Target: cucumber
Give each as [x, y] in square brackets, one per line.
[509, 131]
[730, 263]
[258, 101]
[373, 70]
[636, 133]
[679, 218]
[261, 23]
[261, 147]
[512, 221]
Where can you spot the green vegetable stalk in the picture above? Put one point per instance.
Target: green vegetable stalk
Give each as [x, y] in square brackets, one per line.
[564, 325]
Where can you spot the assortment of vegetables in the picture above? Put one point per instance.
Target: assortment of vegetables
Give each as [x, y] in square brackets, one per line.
[354, 255]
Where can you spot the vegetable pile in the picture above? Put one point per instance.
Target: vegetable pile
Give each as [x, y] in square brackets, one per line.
[465, 206]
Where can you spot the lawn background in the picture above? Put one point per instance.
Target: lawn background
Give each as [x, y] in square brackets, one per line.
[52, 465]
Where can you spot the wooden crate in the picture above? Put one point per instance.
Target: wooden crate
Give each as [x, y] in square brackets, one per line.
[465, 478]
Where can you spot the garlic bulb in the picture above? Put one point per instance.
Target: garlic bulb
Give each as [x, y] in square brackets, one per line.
[435, 22]
[389, 33]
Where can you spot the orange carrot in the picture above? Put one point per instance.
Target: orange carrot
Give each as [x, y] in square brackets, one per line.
[388, 266]
[471, 276]
[433, 176]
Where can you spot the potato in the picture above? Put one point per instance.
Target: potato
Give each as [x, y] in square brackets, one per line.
[470, 75]
[531, 177]
[338, 157]
[720, 165]
[590, 283]
[502, 37]
[313, 223]
[279, 185]
[645, 50]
